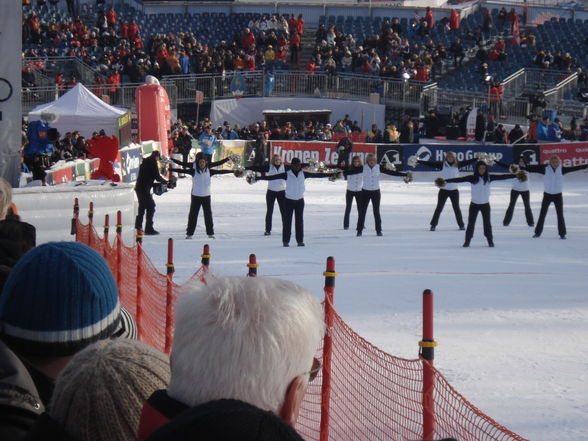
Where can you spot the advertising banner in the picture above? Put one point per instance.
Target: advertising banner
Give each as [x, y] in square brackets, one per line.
[130, 161]
[529, 152]
[318, 151]
[230, 147]
[436, 152]
[571, 154]
[391, 153]
[10, 90]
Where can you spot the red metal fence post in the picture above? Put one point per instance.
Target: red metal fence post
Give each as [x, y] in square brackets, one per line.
[74, 220]
[169, 296]
[90, 223]
[205, 256]
[252, 265]
[106, 228]
[427, 354]
[139, 315]
[327, 348]
[119, 244]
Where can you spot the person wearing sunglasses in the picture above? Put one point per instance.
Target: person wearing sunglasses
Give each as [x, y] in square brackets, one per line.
[242, 358]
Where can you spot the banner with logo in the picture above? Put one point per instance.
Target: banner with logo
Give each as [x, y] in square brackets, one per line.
[571, 154]
[10, 90]
[436, 152]
[318, 151]
[130, 159]
[529, 152]
[391, 154]
[235, 146]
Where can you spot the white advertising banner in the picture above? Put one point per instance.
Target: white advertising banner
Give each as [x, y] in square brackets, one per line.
[10, 93]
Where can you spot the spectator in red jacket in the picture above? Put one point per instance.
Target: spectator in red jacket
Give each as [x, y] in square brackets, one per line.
[294, 47]
[429, 18]
[454, 20]
[248, 39]
[111, 17]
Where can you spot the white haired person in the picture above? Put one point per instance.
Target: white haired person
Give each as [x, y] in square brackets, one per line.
[294, 199]
[480, 203]
[241, 360]
[553, 186]
[201, 173]
[519, 188]
[449, 169]
[370, 190]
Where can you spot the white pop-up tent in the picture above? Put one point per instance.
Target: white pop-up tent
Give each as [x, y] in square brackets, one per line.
[81, 110]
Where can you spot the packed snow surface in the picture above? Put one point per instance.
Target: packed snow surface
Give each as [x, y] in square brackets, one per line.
[511, 321]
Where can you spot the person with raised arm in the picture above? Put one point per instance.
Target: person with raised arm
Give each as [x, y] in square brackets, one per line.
[201, 172]
[553, 186]
[519, 188]
[294, 198]
[370, 190]
[449, 169]
[480, 181]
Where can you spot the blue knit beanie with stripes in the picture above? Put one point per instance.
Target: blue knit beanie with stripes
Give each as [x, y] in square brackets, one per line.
[59, 298]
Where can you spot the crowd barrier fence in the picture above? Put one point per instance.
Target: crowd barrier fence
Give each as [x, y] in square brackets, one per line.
[361, 393]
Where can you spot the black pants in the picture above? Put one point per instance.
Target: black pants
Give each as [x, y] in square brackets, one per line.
[514, 195]
[442, 196]
[270, 199]
[349, 195]
[146, 204]
[366, 196]
[472, 216]
[291, 207]
[557, 200]
[197, 202]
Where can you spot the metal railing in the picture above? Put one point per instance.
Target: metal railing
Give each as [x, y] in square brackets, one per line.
[563, 88]
[70, 65]
[123, 96]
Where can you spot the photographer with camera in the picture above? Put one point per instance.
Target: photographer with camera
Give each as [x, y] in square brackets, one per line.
[148, 173]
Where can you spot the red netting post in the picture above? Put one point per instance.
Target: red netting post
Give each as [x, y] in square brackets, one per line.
[119, 244]
[327, 348]
[252, 265]
[427, 353]
[106, 228]
[205, 256]
[139, 316]
[169, 295]
[74, 219]
[90, 223]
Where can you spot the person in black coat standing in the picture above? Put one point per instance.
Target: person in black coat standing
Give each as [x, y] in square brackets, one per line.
[344, 149]
[148, 174]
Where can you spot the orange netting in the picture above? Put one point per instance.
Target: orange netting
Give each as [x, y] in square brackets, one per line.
[372, 395]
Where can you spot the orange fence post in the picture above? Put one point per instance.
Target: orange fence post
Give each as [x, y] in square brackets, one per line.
[119, 244]
[169, 295]
[205, 257]
[106, 228]
[139, 317]
[74, 220]
[427, 354]
[327, 348]
[90, 223]
[252, 265]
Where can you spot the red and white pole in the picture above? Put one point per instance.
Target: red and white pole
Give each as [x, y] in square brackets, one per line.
[427, 355]
[105, 239]
[252, 265]
[169, 319]
[329, 289]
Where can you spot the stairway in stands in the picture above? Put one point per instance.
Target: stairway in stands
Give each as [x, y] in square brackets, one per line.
[307, 45]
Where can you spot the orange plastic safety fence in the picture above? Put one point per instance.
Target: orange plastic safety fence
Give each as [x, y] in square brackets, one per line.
[376, 396]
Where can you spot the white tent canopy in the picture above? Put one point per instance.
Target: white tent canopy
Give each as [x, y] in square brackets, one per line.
[81, 110]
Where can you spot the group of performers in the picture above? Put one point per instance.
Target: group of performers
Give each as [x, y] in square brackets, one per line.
[286, 186]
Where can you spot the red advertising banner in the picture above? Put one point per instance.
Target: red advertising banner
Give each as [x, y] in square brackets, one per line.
[571, 154]
[318, 151]
[354, 136]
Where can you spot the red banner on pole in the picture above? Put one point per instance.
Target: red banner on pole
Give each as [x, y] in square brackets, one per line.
[516, 31]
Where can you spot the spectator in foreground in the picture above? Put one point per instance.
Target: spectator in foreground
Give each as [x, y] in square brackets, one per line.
[74, 284]
[100, 393]
[233, 375]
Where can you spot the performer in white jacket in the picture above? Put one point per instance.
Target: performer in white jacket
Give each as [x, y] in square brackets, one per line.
[553, 187]
[354, 185]
[294, 199]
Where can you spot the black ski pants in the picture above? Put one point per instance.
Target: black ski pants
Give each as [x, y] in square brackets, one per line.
[367, 196]
[195, 204]
[473, 215]
[442, 196]
[525, 196]
[270, 199]
[293, 208]
[349, 196]
[557, 200]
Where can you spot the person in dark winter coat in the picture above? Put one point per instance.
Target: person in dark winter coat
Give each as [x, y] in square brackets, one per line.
[552, 193]
[519, 188]
[219, 341]
[261, 149]
[480, 203]
[201, 173]
[344, 148]
[294, 199]
[449, 169]
[370, 191]
[148, 174]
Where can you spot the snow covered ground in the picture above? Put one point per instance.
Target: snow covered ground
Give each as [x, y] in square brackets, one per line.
[511, 321]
